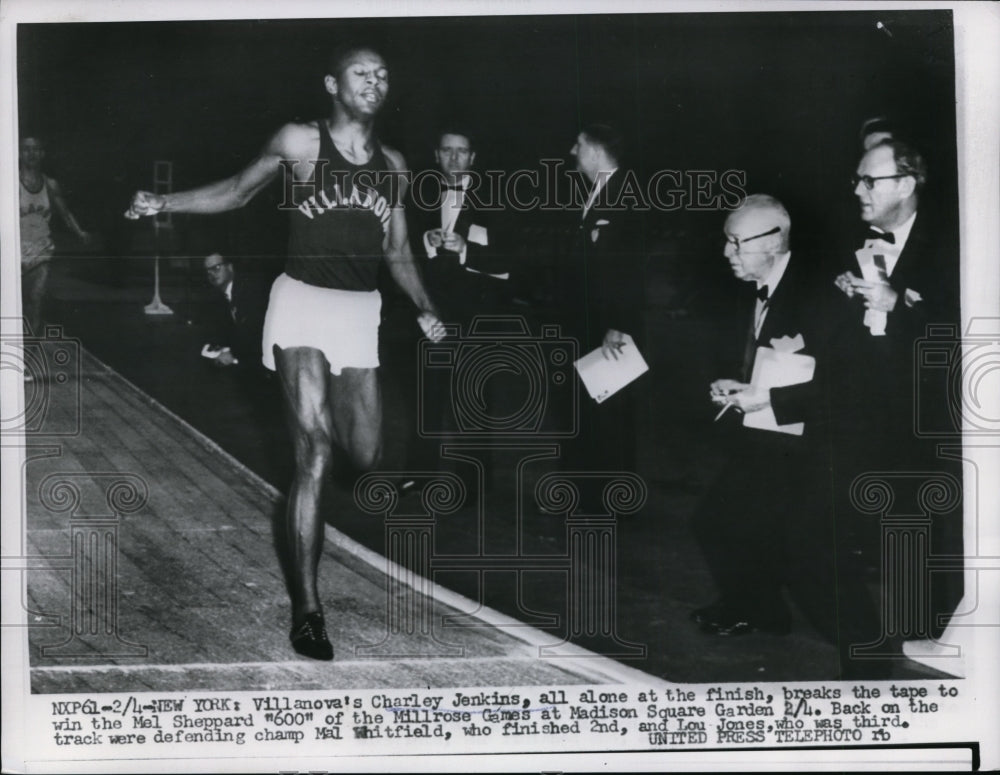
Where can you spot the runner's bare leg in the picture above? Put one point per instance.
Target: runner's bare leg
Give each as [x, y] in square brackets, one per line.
[356, 405]
[305, 381]
[323, 410]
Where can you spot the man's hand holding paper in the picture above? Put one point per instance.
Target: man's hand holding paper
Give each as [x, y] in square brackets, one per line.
[877, 295]
[607, 369]
[613, 343]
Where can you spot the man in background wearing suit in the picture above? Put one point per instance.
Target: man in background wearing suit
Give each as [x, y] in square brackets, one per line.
[466, 270]
[902, 278]
[603, 299]
[462, 266]
[238, 322]
[766, 522]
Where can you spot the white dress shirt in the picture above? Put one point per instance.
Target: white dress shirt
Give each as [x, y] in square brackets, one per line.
[451, 207]
[602, 179]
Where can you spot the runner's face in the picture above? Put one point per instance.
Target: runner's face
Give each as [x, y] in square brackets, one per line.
[362, 84]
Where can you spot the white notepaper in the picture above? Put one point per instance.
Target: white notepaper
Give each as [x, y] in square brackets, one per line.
[603, 377]
[774, 368]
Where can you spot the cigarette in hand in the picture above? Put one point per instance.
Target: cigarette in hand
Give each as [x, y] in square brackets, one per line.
[725, 409]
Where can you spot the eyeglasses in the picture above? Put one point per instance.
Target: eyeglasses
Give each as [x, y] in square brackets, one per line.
[736, 242]
[869, 180]
[214, 268]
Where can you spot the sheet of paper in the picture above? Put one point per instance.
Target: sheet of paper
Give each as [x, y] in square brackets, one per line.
[603, 377]
[478, 235]
[874, 272]
[773, 368]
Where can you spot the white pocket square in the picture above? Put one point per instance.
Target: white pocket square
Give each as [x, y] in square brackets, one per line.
[789, 344]
[479, 235]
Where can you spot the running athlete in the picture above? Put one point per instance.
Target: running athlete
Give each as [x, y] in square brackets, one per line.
[39, 196]
[343, 190]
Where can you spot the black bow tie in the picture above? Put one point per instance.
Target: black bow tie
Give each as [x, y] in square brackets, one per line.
[885, 236]
[762, 293]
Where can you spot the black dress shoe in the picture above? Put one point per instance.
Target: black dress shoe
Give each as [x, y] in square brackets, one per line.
[309, 638]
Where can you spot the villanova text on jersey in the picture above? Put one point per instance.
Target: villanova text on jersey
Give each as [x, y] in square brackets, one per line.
[339, 189]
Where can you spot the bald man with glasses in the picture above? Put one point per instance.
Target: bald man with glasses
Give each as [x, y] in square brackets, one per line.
[765, 525]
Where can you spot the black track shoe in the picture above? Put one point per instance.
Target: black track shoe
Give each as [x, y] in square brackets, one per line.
[309, 638]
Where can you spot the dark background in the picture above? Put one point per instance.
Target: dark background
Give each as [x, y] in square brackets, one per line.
[779, 95]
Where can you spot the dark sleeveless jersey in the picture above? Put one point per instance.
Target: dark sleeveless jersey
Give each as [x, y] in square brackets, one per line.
[340, 220]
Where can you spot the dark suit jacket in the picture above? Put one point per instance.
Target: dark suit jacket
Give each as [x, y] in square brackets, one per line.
[239, 325]
[766, 520]
[795, 308]
[882, 394]
[602, 275]
[876, 382]
[462, 291]
[600, 286]
[929, 266]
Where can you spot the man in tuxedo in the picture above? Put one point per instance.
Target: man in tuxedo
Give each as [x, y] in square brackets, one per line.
[462, 263]
[603, 300]
[766, 522]
[903, 276]
[466, 270]
[238, 322]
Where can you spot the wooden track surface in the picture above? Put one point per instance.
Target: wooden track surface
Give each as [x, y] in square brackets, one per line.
[189, 591]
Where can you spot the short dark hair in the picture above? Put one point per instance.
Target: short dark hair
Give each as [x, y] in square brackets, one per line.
[608, 137]
[908, 160]
[224, 258]
[340, 54]
[457, 129]
[875, 125]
